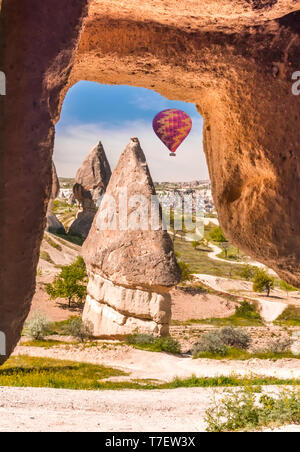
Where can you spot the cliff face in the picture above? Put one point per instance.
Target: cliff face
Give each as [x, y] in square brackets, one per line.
[131, 266]
[90, 184]
[233, 58]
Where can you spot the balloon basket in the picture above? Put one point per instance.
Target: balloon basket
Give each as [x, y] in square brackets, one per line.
[172, 154]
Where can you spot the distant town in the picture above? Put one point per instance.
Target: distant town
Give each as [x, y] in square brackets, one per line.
[167, 192]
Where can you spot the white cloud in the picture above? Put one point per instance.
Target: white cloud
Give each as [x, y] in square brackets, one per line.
[74, 142]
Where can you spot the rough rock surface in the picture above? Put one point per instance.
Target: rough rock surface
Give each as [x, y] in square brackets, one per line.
[233, 58]
[53, 223]
[90, 184]
[131, 266]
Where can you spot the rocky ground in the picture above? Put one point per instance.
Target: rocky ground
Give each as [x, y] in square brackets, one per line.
[261, 337]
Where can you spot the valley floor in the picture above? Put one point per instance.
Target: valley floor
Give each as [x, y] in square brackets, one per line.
[162, 366]
[52, 410]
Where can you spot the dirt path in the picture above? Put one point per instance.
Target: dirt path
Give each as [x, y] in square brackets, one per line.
[56, 410]
[162, 366]
[271, 310]
[217, 250]
[31, 409]
[271, 307]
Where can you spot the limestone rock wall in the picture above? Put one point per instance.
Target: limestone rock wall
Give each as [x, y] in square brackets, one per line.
[116, 310]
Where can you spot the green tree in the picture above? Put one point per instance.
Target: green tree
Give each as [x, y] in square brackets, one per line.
[263, 282]
[225, 247]
[70, 283]
[186, 273]
[248, 272]
[287, 287]
[204, 242]
[195, 244]
[216, 235]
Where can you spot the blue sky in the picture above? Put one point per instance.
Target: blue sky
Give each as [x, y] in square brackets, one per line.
[112, 114]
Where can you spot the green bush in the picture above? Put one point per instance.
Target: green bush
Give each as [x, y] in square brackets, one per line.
[247, 310]
[152, 343]
[246, 410]
[277, 346]
[52, 243]
[287, 287]
[221, 342]
[210, 342]
[216, 235]
[76, 327]
[46, 257]
[186, 273]
[140, 339]
[235, 337]
[39, 272]
[290, 316]
[56, 231]
[248, 272]
[263, 282]
[168, 345]
[38, 326]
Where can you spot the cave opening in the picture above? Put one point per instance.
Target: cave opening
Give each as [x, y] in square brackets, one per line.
[95, 114]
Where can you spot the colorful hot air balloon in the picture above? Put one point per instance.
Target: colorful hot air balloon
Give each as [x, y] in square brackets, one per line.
[172, 127]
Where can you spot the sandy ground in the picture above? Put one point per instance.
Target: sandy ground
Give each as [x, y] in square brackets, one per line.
[54, 410]
[186, 304]
[192, 304]
[161, 366]
[271, 307]
[54, 310]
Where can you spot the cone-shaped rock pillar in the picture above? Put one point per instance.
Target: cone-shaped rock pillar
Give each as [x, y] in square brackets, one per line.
[90, 184]
[130, 258]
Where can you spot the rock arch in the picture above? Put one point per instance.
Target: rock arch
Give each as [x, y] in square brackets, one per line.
[233, 59]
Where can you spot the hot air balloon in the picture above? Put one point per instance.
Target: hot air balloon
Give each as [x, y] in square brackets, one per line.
[172, 127]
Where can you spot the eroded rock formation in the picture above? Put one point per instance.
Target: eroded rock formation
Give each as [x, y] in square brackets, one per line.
[233, 58]
[53, 223]
[131, 266]
[90, 184]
